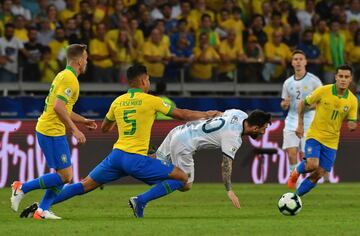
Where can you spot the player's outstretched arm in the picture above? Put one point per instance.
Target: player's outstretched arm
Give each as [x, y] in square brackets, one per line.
[61, 112]
[300, 128]
[188, 115]
[107, 125]
[90, 124]
[226, 168]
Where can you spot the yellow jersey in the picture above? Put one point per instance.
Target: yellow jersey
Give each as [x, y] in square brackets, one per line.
[331, 110]
[134, 114]
[155, 69]
[65, 86]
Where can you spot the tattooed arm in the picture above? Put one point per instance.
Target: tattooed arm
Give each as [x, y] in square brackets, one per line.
[226, 167]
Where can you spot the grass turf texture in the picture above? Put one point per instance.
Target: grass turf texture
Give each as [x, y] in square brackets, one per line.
[330, 209]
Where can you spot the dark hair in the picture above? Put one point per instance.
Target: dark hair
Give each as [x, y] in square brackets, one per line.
[297, 51]
[259, 118]
[135, 71]
[74, 51]
[236, 10]
[344, 67]
[9, 25]
[160, 88]
[205, 15]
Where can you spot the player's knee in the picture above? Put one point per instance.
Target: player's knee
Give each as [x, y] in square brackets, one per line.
[186, 187]
[317, 174]
[178, 174]
[312, 165]
[66, 178]
[89, 184]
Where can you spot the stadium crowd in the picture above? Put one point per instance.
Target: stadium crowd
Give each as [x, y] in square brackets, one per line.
[209, 40]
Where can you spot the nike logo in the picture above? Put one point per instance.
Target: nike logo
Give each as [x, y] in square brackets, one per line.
[15, 194]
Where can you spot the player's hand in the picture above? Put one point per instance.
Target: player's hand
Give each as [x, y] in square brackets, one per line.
[352, 125]
[213, 113]
[234, 199]
[285, 103]
[300, 131]
[80, 137]
[90, 124]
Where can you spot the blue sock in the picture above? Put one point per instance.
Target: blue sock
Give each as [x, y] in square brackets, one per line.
[305, 187]
[69, 191]
[301, 167]
[49, 197]
[159, 190]
[46, 181]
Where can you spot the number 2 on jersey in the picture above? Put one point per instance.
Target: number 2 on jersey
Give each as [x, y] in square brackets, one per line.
[130, 121]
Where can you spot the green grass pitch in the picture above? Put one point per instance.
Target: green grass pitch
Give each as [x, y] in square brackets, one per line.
[330, 209]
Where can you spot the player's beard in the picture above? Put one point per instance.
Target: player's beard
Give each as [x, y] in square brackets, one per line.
[254, 136]
[83, 69]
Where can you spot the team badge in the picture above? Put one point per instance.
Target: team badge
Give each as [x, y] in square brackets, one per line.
[306, 88]
[63, 158]
[346, 108]
[68, 92]
[309, 150]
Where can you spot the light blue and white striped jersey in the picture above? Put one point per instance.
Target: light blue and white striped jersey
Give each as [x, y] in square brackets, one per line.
[297, 90]
[220, 132]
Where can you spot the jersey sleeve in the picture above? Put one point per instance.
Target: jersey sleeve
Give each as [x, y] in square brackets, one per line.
[230, 143]
[285, 93]
[110, 115]
[162, 106]
[67, 88]
[352, 116]
[314, 96]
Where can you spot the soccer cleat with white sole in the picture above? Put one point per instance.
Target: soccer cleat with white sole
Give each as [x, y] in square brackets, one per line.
[137, 207]
[16, 195]
[29, 211]
[47, 215]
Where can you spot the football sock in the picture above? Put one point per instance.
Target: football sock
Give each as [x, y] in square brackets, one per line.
[49, 197]
[161, 189]
[69, 191]
[292, 167]
[301, 167]
[46, 181]
[305, 187]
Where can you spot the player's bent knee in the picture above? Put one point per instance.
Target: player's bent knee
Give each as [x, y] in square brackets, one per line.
[312, 164]
[178, 174]
[89, 184]
[187, 187]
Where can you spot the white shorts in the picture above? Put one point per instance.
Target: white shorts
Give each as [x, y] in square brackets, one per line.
[292, 140]
[172, 150]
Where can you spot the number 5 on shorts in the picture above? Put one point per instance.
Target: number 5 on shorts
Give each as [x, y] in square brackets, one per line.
[130, 121]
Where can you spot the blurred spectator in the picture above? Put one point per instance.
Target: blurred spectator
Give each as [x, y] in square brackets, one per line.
[182, 30]
[290, 38]
[86, 31]
[40, 11]
[277, 55]
[45, 34]
[204, 57]
[312, 53]
[235, 23]
[199, 10]
[20, 31]
[59, 4]
[58, 46]
[275, 25]
[124, 55]
[175, 10]
[206, 27]
[145, 24]
[160, 25]
[319, 34]
[156, 56]
[182, 56]
[354, 12]
[100, 54]
[156, 13]
[18, 9]
[99, 11]
[161, 92]
[48, 67]
[288, 15]
[138, 39]
[118, 12]
[52, 17]
[350, 32]
[170, 23]
[230, 54]
[250, 71]
[256, 29]
[85, 10]
[306, 15]
[71, 31]
[266, 11]
[9, 51]
[31, 62]
[6, 15]
[185, 14]
[68, 12]
[354, 56]
[334, 51]
[123, 25]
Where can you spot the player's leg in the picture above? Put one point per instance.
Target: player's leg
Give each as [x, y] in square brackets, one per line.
[309, 164]
[291, 144]
[326, 162]
[57, 155]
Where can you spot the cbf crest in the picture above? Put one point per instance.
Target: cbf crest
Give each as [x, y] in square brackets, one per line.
[63, 158]
[346, 108]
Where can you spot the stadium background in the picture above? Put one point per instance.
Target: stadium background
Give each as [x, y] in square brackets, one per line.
[241, 66]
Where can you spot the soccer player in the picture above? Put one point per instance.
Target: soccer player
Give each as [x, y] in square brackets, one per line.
[295, 89]
[134, 113]
[223, 132]
[334, 103]
[51, 134]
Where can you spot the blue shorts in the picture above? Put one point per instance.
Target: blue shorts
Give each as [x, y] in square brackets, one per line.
[56, 150]
[327, 156]
[120, 164]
